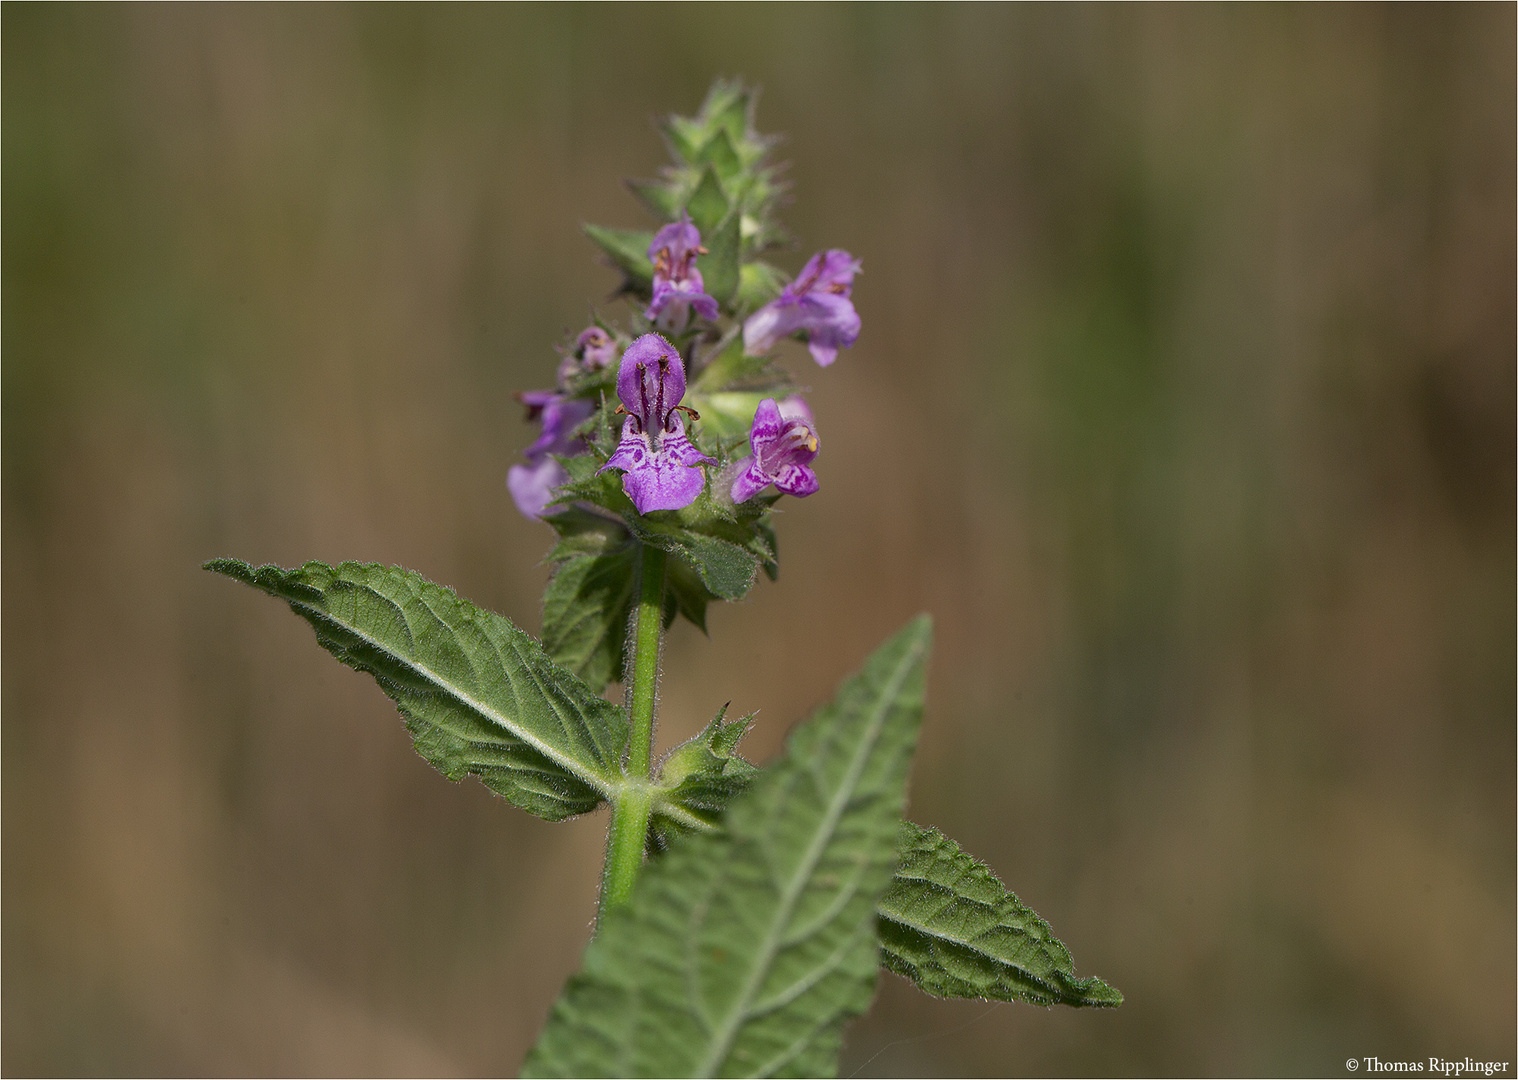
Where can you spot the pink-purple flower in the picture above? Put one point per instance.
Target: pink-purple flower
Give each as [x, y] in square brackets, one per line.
[784, 442]
[594, 350]
[660, 465]
[677, 283]
[532, 485]
[816, 303]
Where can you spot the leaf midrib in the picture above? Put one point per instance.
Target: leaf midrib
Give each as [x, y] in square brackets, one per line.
[966, 943]
[723, 1038]
[608, 787]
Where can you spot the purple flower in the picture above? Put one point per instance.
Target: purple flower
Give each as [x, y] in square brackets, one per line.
[816, 302]
[658, 461]
[784, 441]
[532, 485]
[594, 350]
[677, 283]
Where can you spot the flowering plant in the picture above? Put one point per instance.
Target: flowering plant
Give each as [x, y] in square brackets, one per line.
[744, 912]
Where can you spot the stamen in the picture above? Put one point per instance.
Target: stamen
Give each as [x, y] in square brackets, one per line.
[643, 394]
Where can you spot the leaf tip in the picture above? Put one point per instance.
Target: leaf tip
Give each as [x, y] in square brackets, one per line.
[1095, 993]
[226, 565]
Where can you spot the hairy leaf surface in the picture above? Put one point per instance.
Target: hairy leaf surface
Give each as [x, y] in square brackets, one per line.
[946, 922]
[590, 597]
[743, 952]
[724, 545]
[478, 695]
[950, 925]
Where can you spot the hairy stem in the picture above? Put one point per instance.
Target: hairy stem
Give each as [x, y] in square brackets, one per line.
[629, 818]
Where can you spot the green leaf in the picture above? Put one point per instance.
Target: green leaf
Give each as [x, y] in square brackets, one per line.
[685, 590]
[725, 546]
[743, 953]
[659, 196]
[628, 249]
[684, 137]
[767, 535]
[723, 367]
[950, 925]
[590, 597]
[719, 266]
[758, 284]
[707, 206]
[726, 568]
[719, 153]
[478, 695]
[701, 777]
[946, 922]
[728, 414]
[713, 749]
[726, 108]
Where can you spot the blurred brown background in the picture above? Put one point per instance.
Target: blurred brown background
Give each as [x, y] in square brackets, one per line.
[1184, 402]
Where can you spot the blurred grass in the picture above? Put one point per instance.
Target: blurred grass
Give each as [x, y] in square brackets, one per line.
[1185, 402]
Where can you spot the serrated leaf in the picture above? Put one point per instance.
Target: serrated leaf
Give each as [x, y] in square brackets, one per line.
[743, 953]
[950, 925]
[628, 249]
[946, 921]
[478, 695]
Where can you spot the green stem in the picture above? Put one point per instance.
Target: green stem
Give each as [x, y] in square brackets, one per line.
[629, 817]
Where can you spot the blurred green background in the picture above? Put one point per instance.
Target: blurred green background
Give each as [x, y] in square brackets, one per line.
[1184, 402]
